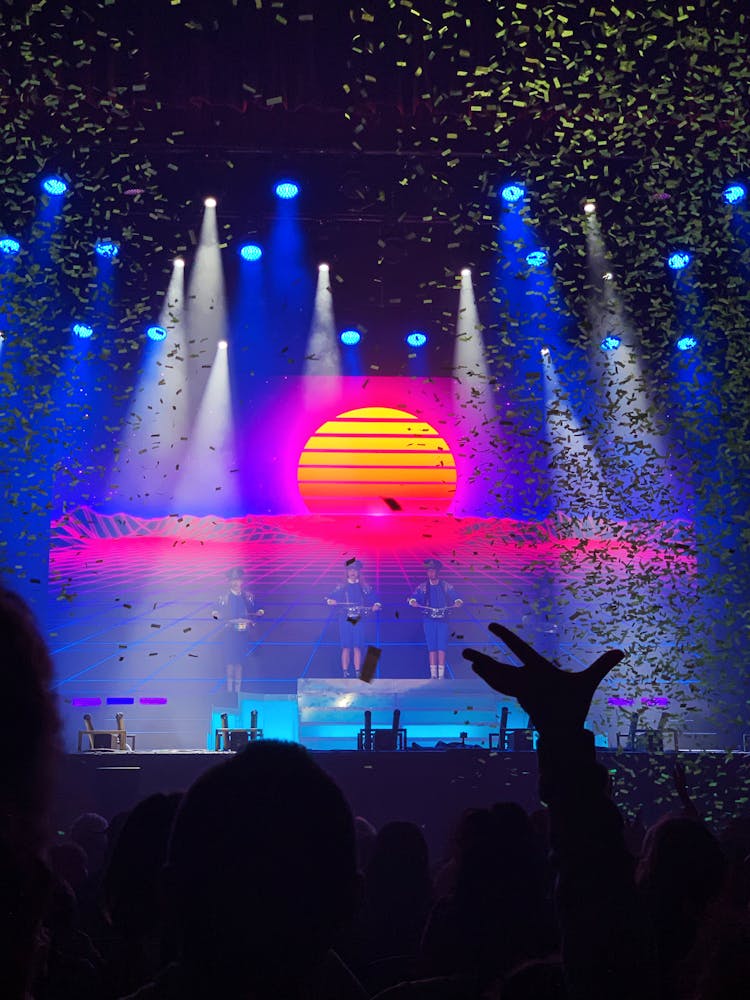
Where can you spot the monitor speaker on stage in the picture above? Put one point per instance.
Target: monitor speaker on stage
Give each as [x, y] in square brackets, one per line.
[238, 740]
[521, 739]
[385, 739]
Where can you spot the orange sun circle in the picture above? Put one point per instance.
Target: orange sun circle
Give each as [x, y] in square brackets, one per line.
[374, 460]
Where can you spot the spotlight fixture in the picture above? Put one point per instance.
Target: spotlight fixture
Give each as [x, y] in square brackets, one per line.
[610, 342]
[608, 276]
[107, 249]
[589, 206]
[512, 193]
[734, 193]
[537, 258]
[466, 272]
[82, 330]
[323, 267]
[678, 259]
[222, 345]
[178, 262]
[209, 202]
[250, 252]
[156, 333]
[9, 246]
[286, 190]
[350, 337]
[54, 185]
[416, 339]
[544, 352]
[687, 343]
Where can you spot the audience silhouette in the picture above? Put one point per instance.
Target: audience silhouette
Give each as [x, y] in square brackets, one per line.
[29, 747]
[256, 881]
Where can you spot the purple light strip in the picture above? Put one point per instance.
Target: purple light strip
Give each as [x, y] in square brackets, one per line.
[85, 702]
[153, 701]
[653, 701]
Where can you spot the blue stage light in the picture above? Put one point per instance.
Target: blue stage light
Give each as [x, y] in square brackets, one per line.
[286, 190]
[610, 342]
[54, 185]
[416, 339]
[678, 259]
[512, 193]
[9, 246]
[250, 251]
[733, 193]
[687, 343]
[537, 258]
[156, 333]
[82, 330]
[107, 249]
[350, 337]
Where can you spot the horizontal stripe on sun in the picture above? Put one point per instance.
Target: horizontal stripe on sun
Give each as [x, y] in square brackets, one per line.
[413, 427]
[406, 460]
[351, 474]
[377, 489]
[377, 411]
[356, 443]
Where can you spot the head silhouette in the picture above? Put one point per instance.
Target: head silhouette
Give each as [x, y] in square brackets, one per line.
[261, 868]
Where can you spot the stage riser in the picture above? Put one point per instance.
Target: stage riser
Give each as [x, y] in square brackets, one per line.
[430, 788]
[328, 713]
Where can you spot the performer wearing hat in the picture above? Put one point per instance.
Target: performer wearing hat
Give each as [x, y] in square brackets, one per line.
[236, 608]
[355, 600]
[435, 597]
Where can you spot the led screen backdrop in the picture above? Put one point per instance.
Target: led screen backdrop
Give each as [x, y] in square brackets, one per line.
[320, 470]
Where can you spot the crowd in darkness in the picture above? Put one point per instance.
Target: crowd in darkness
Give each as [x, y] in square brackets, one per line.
[259, 883]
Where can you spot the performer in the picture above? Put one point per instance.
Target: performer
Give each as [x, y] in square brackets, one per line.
[354, 599]
[236, 608]
[435, 597]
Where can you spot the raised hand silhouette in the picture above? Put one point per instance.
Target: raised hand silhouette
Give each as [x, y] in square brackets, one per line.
[554, 699]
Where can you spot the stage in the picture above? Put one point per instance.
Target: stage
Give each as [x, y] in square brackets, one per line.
[428, 787]
[139, 633]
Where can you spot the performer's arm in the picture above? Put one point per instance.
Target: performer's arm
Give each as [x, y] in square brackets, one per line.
[371, 598]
